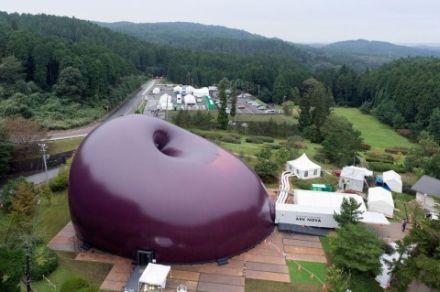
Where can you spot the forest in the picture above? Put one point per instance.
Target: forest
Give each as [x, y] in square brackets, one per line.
[66, 72]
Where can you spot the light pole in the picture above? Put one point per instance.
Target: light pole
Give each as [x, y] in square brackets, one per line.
[43, 148]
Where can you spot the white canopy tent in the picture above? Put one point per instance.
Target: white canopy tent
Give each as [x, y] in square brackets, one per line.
[202, 92]
[154, 276]
[177, 89]
[393, 180]
[165, 102]
[380, 200]
[189, 99]
[304, 168]
[189, 89]
[156, 90]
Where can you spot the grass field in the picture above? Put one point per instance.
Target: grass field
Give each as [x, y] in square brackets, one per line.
[64, 145]
[374, 133]
[302, 272]
[49, 220]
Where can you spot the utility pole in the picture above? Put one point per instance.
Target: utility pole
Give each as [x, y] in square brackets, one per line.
[26, 269]
[43, 148]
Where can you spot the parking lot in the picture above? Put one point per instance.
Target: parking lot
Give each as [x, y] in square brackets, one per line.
[246, 103]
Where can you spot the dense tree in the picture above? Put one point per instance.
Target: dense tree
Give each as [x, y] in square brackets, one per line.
[10, 189]
[341, 142]
[222, 117]
[356, 249]
[11, 70]
[11, 269]
[337, 280]
[349, 212]
[70, 84]
[315, 108]
[24, 201]
[5, 151]
[424, 156]
[434, 124]
[234, 94]
[22, 130]
[265, 167]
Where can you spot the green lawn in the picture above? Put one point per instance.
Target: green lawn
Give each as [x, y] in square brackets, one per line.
[49, 220]
[375, 133]
[309, 273]
[64, 145]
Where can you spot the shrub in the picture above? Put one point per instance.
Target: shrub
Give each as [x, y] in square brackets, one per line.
[43, 262]
[383, 166]
[405, 133]
[365, 146]
[253, 140]
[9, 190]
[397, 150]
[61, 181]
[231, 139]
[272, 146]
[77, 285]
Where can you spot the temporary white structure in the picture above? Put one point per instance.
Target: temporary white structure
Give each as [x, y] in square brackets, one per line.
[177, 89]
[189, 99]
[393, 180]
[165, 102]
[380, 200]
[304, 168]
[189, 89]
[202, 92]
[353, 178]
[179, 99]
[154, 277]
[316, 209]
[156, 90]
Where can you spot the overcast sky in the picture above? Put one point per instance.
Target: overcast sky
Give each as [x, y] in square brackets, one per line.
[305, 21]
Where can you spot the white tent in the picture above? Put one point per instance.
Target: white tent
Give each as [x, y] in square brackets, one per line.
[380, 200]
[353, 178]
[156, 90]
[304, 168]
[393, 180]
[177, 89]
[165, 102]
[202, 92]
[189, 89]
[189, 99]
[154, 276]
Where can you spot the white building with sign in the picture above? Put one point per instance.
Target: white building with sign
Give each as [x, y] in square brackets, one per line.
[316, 209]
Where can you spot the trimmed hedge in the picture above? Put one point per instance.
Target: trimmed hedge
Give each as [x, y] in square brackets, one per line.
[381, 166]
[43, 262]
[259, 139]
[77, 285]
[397, 150]
[231, 139]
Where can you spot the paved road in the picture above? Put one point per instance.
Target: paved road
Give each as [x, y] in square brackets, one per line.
[129, 107]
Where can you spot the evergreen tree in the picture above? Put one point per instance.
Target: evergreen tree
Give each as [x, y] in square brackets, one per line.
[222, 118]
[434, 124]
[11, 70]
[355, 249]
[70, 84]
[234, 93]
[349, 212]
[341, 142]
[5, 151]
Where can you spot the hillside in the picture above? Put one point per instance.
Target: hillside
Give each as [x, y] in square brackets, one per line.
[374, 53]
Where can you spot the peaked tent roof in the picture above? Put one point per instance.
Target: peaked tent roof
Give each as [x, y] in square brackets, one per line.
[354, 172]
[380, 194]
[427, 185]
[391, 175]
[303, 162]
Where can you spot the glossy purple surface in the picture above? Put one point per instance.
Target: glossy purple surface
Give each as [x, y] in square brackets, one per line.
[139, 183]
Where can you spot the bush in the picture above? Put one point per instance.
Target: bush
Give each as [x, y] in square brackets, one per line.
[272, 146]
[259, 139]
[365, 146]
[43, 262]
[385, 158]
[61, 181]
[77, 285]
[231, 139]
[397, 150]
[253, 140]
[383, 166]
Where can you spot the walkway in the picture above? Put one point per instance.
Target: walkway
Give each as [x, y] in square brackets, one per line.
[266, 261]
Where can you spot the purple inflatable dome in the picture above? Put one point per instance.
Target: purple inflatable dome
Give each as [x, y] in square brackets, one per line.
[140, 183]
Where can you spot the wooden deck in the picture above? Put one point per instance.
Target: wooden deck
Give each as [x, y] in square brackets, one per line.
[266, 261]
